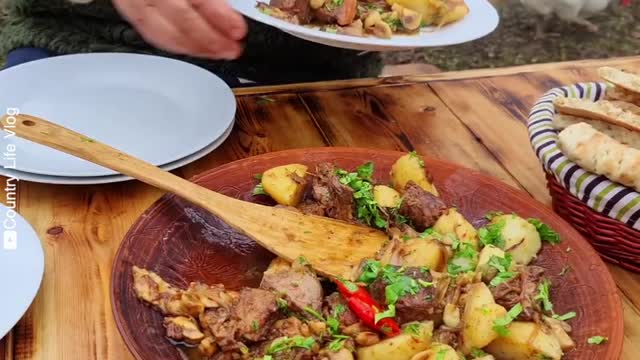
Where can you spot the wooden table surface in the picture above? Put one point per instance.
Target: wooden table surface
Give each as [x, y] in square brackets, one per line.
[474, 118]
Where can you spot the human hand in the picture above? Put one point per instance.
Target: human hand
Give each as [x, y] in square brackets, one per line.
[203, 28]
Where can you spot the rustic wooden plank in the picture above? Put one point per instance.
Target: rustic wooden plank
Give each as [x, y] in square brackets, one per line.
[497, 118]
[406, 117]
[451, 75]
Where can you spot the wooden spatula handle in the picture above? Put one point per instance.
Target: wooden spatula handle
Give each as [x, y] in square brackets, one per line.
[46, 133]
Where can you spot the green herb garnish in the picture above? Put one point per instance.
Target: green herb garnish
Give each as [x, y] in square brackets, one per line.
[258, 177]
[597, 340]
[389, 313]
[544, 295]
[412, 154]
[493, 214]
[366, 207]
[502, 277]
[492, 234]
[370, 272]
[259, 190]
[314, 313]
[501, 325]
[565, 317]
[412, 329]
[442, 354]
[255, 326]
[477, 353]
[546, 233]
[286, 343]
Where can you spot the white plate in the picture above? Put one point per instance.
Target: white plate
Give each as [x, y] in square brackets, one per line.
[154, 108]
[21, 267]
[481, 20]
[88, 180]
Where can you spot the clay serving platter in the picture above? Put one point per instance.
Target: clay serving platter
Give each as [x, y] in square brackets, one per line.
[183, 244]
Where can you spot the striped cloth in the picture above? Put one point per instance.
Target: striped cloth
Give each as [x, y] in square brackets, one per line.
[606, 197]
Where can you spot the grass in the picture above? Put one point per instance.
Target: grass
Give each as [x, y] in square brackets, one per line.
[513, 42]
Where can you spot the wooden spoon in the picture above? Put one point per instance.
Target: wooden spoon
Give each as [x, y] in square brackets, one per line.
[332, 247]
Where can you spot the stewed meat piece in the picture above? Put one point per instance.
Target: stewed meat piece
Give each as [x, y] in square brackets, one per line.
[301, 9]
[296, 282]
[341, 12]
[420, 206]
[522, 289]
[328, 196]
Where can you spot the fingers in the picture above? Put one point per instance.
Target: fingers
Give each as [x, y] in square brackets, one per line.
[202, 37]
[178, 27]
[222, 17]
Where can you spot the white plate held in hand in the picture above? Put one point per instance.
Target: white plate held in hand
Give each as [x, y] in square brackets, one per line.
[157, 109]
[481, 20]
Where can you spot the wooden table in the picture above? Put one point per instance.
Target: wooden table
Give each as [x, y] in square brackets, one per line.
[474, 118]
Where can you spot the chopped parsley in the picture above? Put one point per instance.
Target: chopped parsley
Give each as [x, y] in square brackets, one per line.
[442, 354]
[425, 284]
[258, 176]
[267, 357]
[501, 325]
[477, 353]
[389, 313]
[255, 326]
[502, 277]
[282, 305]
[413, 154]
[287, 343]
[544, 295]
[402, 286]
[370, 272]
[361, 183]
[597, 340]
[302, 260]
[395, 24]
[427, 232]
[492, 234]
[546, 233]
[314, 313]
[502, 264]
[259, 190]
[465, 258]
[565, 317]
[337, 344]
[412, 329]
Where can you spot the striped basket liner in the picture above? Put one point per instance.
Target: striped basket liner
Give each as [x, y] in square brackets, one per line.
[608, 198]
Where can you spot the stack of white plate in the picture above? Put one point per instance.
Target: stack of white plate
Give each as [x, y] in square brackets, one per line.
[167, 112]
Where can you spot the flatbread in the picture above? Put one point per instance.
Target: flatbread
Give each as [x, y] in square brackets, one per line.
[611, 112]
[600, 154]
[623, 135]
[626, 80]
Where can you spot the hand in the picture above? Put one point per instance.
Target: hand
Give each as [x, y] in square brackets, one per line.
[203, 28]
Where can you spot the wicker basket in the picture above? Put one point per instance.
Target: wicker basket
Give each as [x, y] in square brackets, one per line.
[617, 242]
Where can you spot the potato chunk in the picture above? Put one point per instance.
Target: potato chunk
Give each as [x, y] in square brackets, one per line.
[401, 347]
[521, 238]
[452, 222]
[438, 352]
[480, 312]
[285, 184]
[386, 196]
[410, 167]
[486, 254]
[526, 340]
[423, 252]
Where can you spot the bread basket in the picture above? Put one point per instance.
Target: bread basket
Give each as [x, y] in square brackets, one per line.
[605, 212]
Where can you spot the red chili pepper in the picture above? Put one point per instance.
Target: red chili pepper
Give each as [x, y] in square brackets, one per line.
[366, 308]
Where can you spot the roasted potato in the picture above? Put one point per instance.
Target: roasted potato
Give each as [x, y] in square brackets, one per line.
[452, 222]
[526, 340]
[480, 312]
[521, 238]
[436, 12]
[438, 352]
[401, 347]
[486, 254]
[423, 252]
[410, 167]
[285, 184]
[386, 196]
[557, 329]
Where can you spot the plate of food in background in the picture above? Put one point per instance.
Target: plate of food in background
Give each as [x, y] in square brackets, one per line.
[473, 269]
[376, 25]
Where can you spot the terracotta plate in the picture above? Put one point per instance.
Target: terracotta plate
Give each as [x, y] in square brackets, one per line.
[184, 244]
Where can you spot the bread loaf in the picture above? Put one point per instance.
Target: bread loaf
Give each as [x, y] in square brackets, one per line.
[600, 154]
[627, 115]
[623, 79]
[623, 135]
